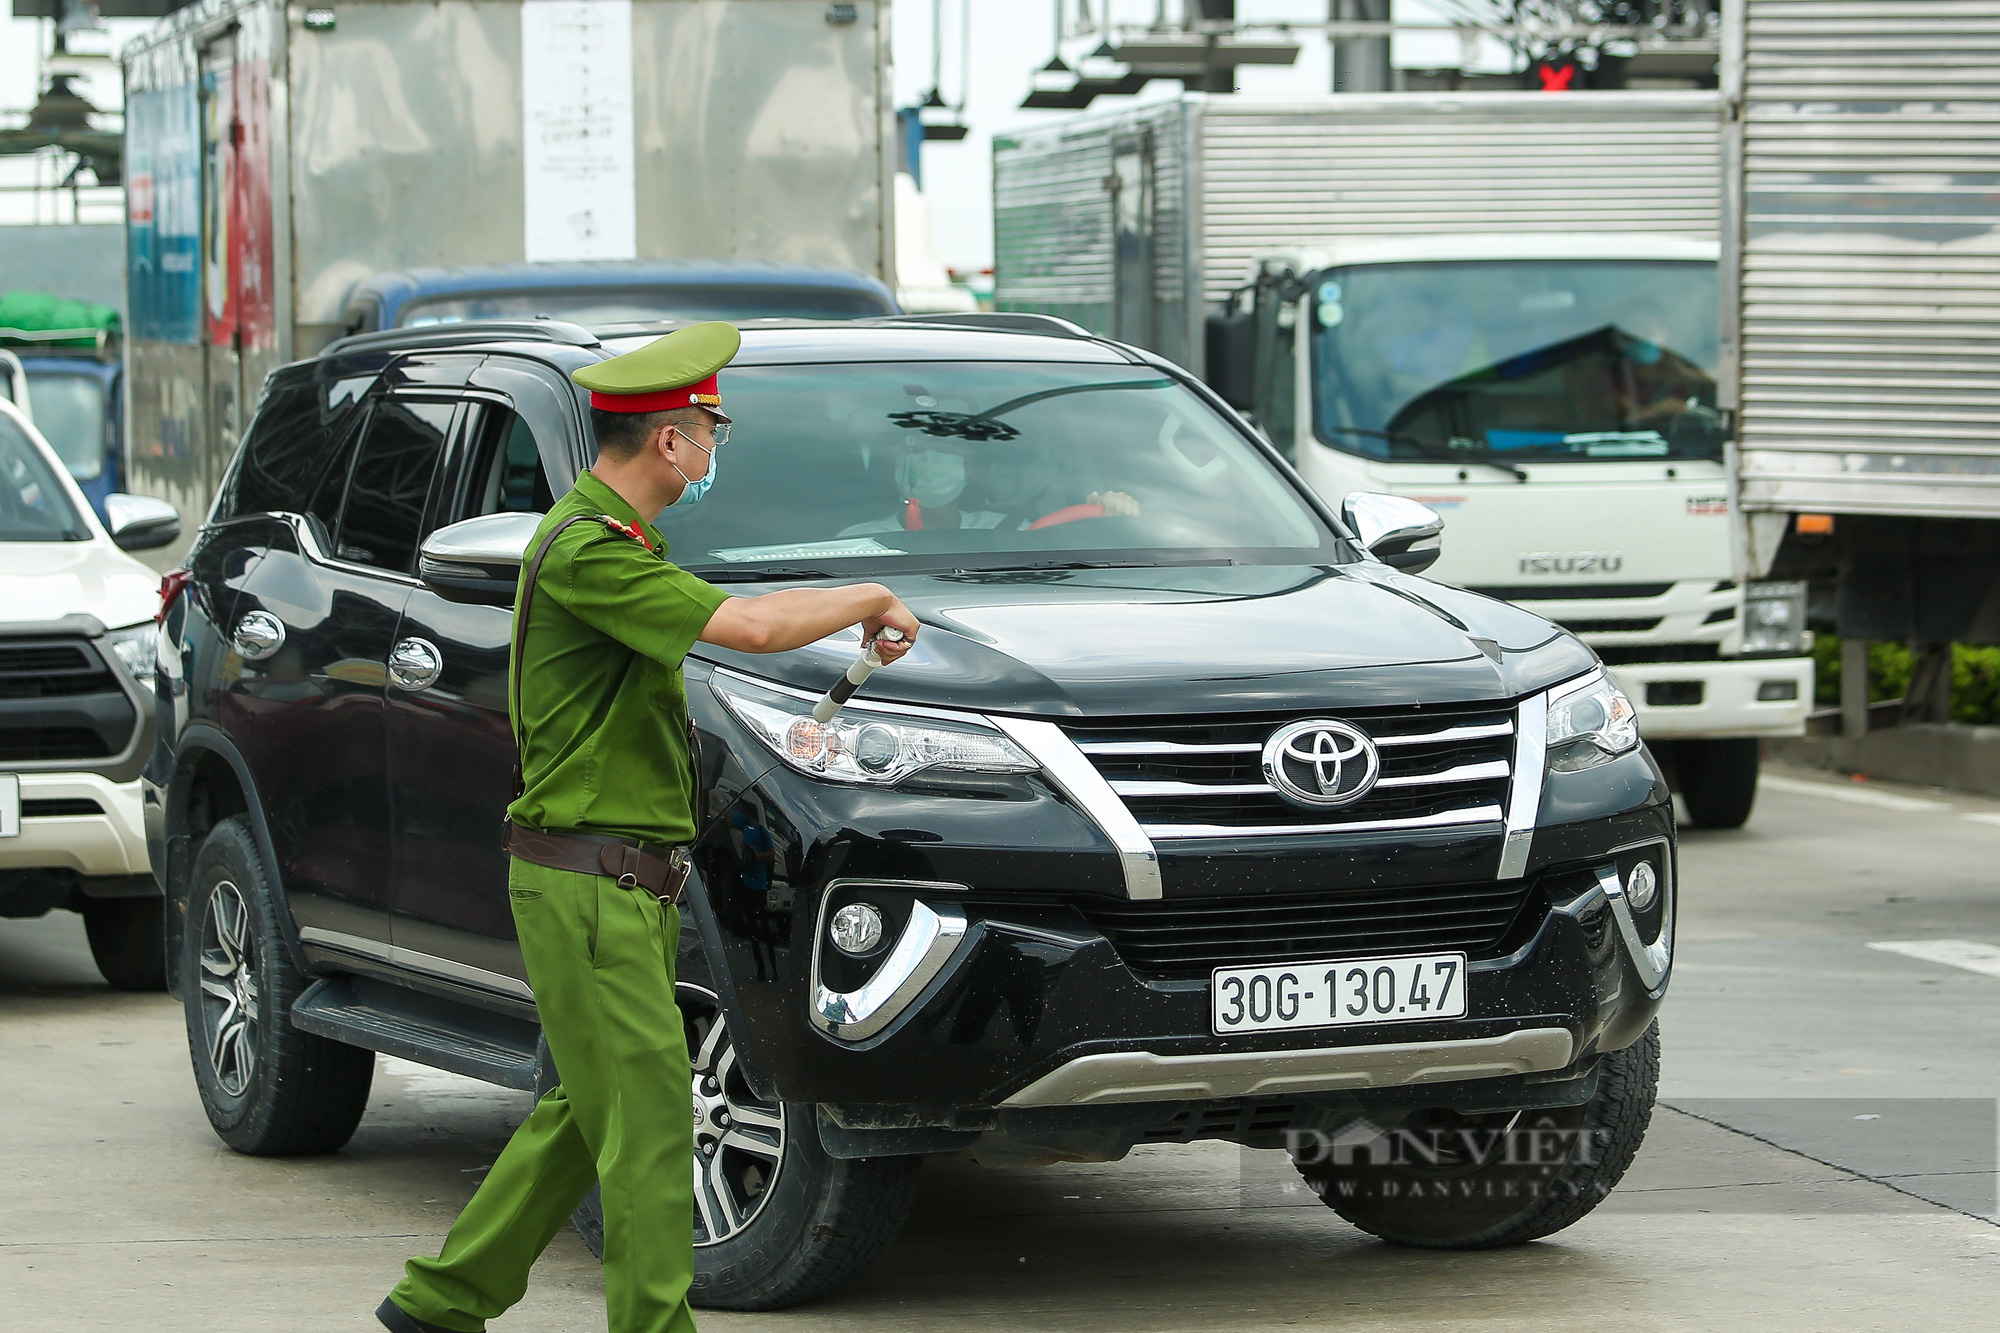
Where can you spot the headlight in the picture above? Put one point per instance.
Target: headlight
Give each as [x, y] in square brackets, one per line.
[1774, 619]
[880, 748]
[1590, 722]
[135, 649]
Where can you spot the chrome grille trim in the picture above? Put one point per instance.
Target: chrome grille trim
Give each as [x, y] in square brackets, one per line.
[1069, 769]
[1162, 747]
[1473, 815]
[1524, 805]
[1448, 734]
[1463, 773]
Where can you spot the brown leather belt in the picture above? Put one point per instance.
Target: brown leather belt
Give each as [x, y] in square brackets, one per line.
[662, 871]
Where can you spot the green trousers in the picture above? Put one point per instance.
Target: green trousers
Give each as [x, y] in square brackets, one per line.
[601, 960]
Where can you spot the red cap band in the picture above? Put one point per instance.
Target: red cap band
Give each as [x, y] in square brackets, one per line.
[703, 394]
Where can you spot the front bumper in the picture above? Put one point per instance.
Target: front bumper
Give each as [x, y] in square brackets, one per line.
[111, 841]
[1721, 697]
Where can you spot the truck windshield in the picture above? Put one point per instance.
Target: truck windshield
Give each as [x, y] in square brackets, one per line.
[607, 305]
[975, 466]
[69, 412]
[1517, 361]
[33, 507]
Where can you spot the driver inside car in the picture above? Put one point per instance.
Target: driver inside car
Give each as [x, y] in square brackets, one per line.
[933, 476]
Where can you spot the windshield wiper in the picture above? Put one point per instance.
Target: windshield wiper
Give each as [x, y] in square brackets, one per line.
[1437, 449]
[759, 574]
[1092, 564]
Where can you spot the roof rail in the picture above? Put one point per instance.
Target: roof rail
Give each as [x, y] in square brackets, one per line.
[1001, 321]
[466, 331]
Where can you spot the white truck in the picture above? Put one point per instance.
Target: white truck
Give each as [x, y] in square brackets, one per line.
[1861, 305]
[1503, 305]
[278, 154]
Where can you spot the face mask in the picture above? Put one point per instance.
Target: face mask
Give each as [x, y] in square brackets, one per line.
[692, 493]
[931, 477]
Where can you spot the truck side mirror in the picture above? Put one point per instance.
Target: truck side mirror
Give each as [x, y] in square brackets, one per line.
[1400, 533]
[1232, 357]
[477, 561]
[140, 522]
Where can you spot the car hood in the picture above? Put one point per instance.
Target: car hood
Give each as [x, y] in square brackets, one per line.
[41, 582]
[1249, 638]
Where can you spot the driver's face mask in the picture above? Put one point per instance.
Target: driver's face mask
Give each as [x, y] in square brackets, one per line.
[931, 477]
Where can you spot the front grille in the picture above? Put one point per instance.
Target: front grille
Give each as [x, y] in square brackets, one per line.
[1181, 939]
[57, 807]
[1610, 626]
[59, 700]
[1439, 769]
[1223, 1120]
[51, 670]
[1574, 592]
[1630, 654]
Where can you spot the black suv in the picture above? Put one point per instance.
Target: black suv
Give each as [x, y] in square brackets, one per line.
[1194, 814]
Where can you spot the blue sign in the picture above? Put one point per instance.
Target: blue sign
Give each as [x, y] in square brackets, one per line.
[163, 214]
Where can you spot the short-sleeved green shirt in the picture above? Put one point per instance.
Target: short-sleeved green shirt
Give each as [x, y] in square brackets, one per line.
[603, 714]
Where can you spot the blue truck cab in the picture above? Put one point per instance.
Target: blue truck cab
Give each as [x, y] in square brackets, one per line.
[599, 291]
[75, 397]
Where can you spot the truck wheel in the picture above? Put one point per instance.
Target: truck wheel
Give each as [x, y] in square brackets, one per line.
[1468, 1182]
[777, 1222]
[1718, 781]
[128, 941]
[269, 1089]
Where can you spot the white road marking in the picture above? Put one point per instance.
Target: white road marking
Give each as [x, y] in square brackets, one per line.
[1968, 954]
[1853, 795]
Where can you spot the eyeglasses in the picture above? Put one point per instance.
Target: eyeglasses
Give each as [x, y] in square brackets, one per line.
[720, 431]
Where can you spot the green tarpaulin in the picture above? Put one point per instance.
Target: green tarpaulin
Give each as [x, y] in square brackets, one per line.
[39, 319]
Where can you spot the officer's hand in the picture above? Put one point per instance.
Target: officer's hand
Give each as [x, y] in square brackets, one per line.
[896, 617]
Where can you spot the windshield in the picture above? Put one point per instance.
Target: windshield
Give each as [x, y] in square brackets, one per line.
[984, 466]
[33, 507]
[1517, 360]
[612, 305]
[69, 412]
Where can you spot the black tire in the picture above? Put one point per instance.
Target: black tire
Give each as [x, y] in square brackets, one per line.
[1478, 1182]
[128, 941]
[269, 1089]
[817, 1222]
[1718, 781]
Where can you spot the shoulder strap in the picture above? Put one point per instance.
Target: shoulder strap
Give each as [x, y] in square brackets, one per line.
[521, 634]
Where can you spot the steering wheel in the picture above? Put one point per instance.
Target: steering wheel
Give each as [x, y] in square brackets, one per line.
[1068, 515]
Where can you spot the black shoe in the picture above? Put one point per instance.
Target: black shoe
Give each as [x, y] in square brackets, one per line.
[398, 1320]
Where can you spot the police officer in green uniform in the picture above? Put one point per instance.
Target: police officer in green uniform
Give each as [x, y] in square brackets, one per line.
[599, 839]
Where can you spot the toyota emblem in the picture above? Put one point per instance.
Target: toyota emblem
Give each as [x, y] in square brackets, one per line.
[1321, 763]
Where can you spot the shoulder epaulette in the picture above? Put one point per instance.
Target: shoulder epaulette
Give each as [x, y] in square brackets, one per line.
[628, 530]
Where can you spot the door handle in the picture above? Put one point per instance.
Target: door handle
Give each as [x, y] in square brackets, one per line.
[415, 664]
[257, 636]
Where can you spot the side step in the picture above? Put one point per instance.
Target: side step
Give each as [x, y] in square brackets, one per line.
[377, 1016]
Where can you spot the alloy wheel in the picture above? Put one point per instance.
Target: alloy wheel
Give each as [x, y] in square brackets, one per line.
[231, 995]
[739, 1138]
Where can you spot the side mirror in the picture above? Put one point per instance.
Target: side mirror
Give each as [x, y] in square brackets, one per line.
[479, 560]
[1400, 533]
[140, 522]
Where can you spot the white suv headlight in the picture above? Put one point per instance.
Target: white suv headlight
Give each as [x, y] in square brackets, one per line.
[1590, 722]
[868, 747]
[135, 649]
[1774, 619]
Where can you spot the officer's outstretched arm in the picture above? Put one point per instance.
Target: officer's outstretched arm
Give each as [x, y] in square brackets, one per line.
[778, 622]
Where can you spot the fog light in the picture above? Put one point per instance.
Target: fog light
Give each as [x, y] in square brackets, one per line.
[1642, 886]
[856, 928]
[1777, 691]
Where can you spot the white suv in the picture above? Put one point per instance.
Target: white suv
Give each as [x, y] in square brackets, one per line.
[76, 704]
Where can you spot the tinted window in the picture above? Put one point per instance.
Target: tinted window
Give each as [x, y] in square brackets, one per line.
[289, 457]
[506, 475]
[383, 519]
[69, 412]
[33, 507]
[986, 465]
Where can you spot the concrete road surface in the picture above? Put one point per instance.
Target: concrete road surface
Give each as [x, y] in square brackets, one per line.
[1823, 1160]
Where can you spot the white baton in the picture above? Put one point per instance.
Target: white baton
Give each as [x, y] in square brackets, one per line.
[864, 667]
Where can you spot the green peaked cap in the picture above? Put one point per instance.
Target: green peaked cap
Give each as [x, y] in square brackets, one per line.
[682, 359]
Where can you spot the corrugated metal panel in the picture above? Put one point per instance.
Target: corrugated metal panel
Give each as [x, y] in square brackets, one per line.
[1052, 224]
[1870, 257]
[1313, 172]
